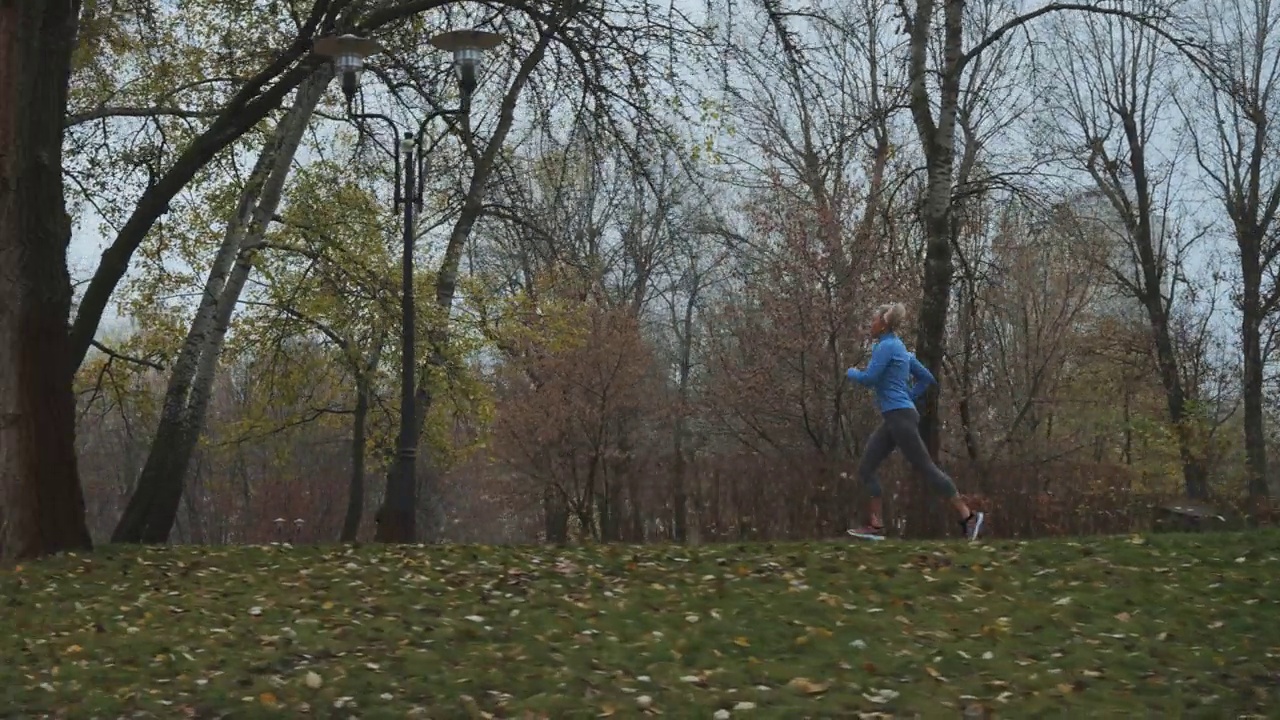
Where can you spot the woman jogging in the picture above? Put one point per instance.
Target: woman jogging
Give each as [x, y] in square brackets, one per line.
[899, 380]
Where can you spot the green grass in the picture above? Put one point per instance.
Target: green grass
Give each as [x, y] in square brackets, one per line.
[1166, 626]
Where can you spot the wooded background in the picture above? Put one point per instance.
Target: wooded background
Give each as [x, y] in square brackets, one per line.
[648, 255]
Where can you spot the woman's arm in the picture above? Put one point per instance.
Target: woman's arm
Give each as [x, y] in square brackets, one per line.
[870, 377]
[921, 378]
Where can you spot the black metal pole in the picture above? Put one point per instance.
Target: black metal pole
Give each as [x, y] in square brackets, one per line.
[397, 518]
[403, 496]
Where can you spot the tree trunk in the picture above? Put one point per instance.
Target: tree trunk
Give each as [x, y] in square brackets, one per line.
[680, 469]
[555, 515]
[611, 531]
[629, 526]
[1139, 214]
[257, 97]
[150, 514]
[636, 511]
[166, 458]
[1255, 438]
[1234, 138]
[41, 502]
[355, 491]
[1194, 475]
[968, 333]
[680, 495]
[938, 139]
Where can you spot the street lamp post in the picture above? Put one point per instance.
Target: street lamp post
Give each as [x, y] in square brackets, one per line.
[398, 516]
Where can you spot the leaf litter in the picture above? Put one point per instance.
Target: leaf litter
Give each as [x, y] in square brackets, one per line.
[1139, 626]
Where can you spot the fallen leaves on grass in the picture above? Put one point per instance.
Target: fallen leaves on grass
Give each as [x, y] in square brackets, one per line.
[1089, 627]
[807, 686]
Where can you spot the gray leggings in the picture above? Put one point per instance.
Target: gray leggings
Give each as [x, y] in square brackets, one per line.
[901, 429]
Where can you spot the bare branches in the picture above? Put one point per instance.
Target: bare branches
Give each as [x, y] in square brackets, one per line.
[306, 418]
[115, 355]
[103, 113]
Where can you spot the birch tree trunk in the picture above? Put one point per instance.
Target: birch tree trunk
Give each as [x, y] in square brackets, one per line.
[150, 513]
[41, 503]
[938, 137]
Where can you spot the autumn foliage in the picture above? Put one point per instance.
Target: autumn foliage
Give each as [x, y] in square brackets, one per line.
[575, 425]
[637, 329]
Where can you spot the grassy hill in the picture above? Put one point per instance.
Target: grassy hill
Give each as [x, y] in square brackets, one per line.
[1164, 626]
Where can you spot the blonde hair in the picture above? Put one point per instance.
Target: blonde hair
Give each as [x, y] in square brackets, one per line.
[892, 314]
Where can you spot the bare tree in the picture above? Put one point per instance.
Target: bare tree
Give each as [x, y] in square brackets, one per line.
[1030, 313]
[1110, 96]
[1231, 119]
[587, 225]
[692, 274]
[992, 100]
[937, 29]
[813, 101]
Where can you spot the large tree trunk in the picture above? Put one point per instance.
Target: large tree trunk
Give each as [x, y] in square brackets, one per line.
[1234, 138]
[150, 514]
[1151, 293]
[257, 97]
[938, 139]
[1148, 273]
[1255, 438]
[555, 515]
[166, 459]
[355, 491]
[41, 503]
[363, 368]
[608, 509]
[1194, 474]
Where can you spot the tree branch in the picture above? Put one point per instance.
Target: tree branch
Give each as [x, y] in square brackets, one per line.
[127, 358]
[104, 113]
[1148, 21]
[310, 416]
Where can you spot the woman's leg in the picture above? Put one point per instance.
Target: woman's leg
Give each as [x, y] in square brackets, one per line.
[879, 446]
[904, 425]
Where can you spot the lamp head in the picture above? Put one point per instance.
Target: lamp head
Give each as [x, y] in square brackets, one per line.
[468, 48]
[348, 53]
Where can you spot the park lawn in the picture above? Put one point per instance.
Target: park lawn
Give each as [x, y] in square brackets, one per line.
[1162, 626]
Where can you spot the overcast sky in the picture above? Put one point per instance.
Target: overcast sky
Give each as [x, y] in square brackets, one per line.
[88, 243]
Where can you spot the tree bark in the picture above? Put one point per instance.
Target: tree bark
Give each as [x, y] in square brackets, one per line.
[1233, 133]
[165, 455]
[41, 502]
[680, 473]
[555, 515]
[1255, 438]
[149, 516]
[938, 139]
[355, 491]
[1195, 477]
[260, 95]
